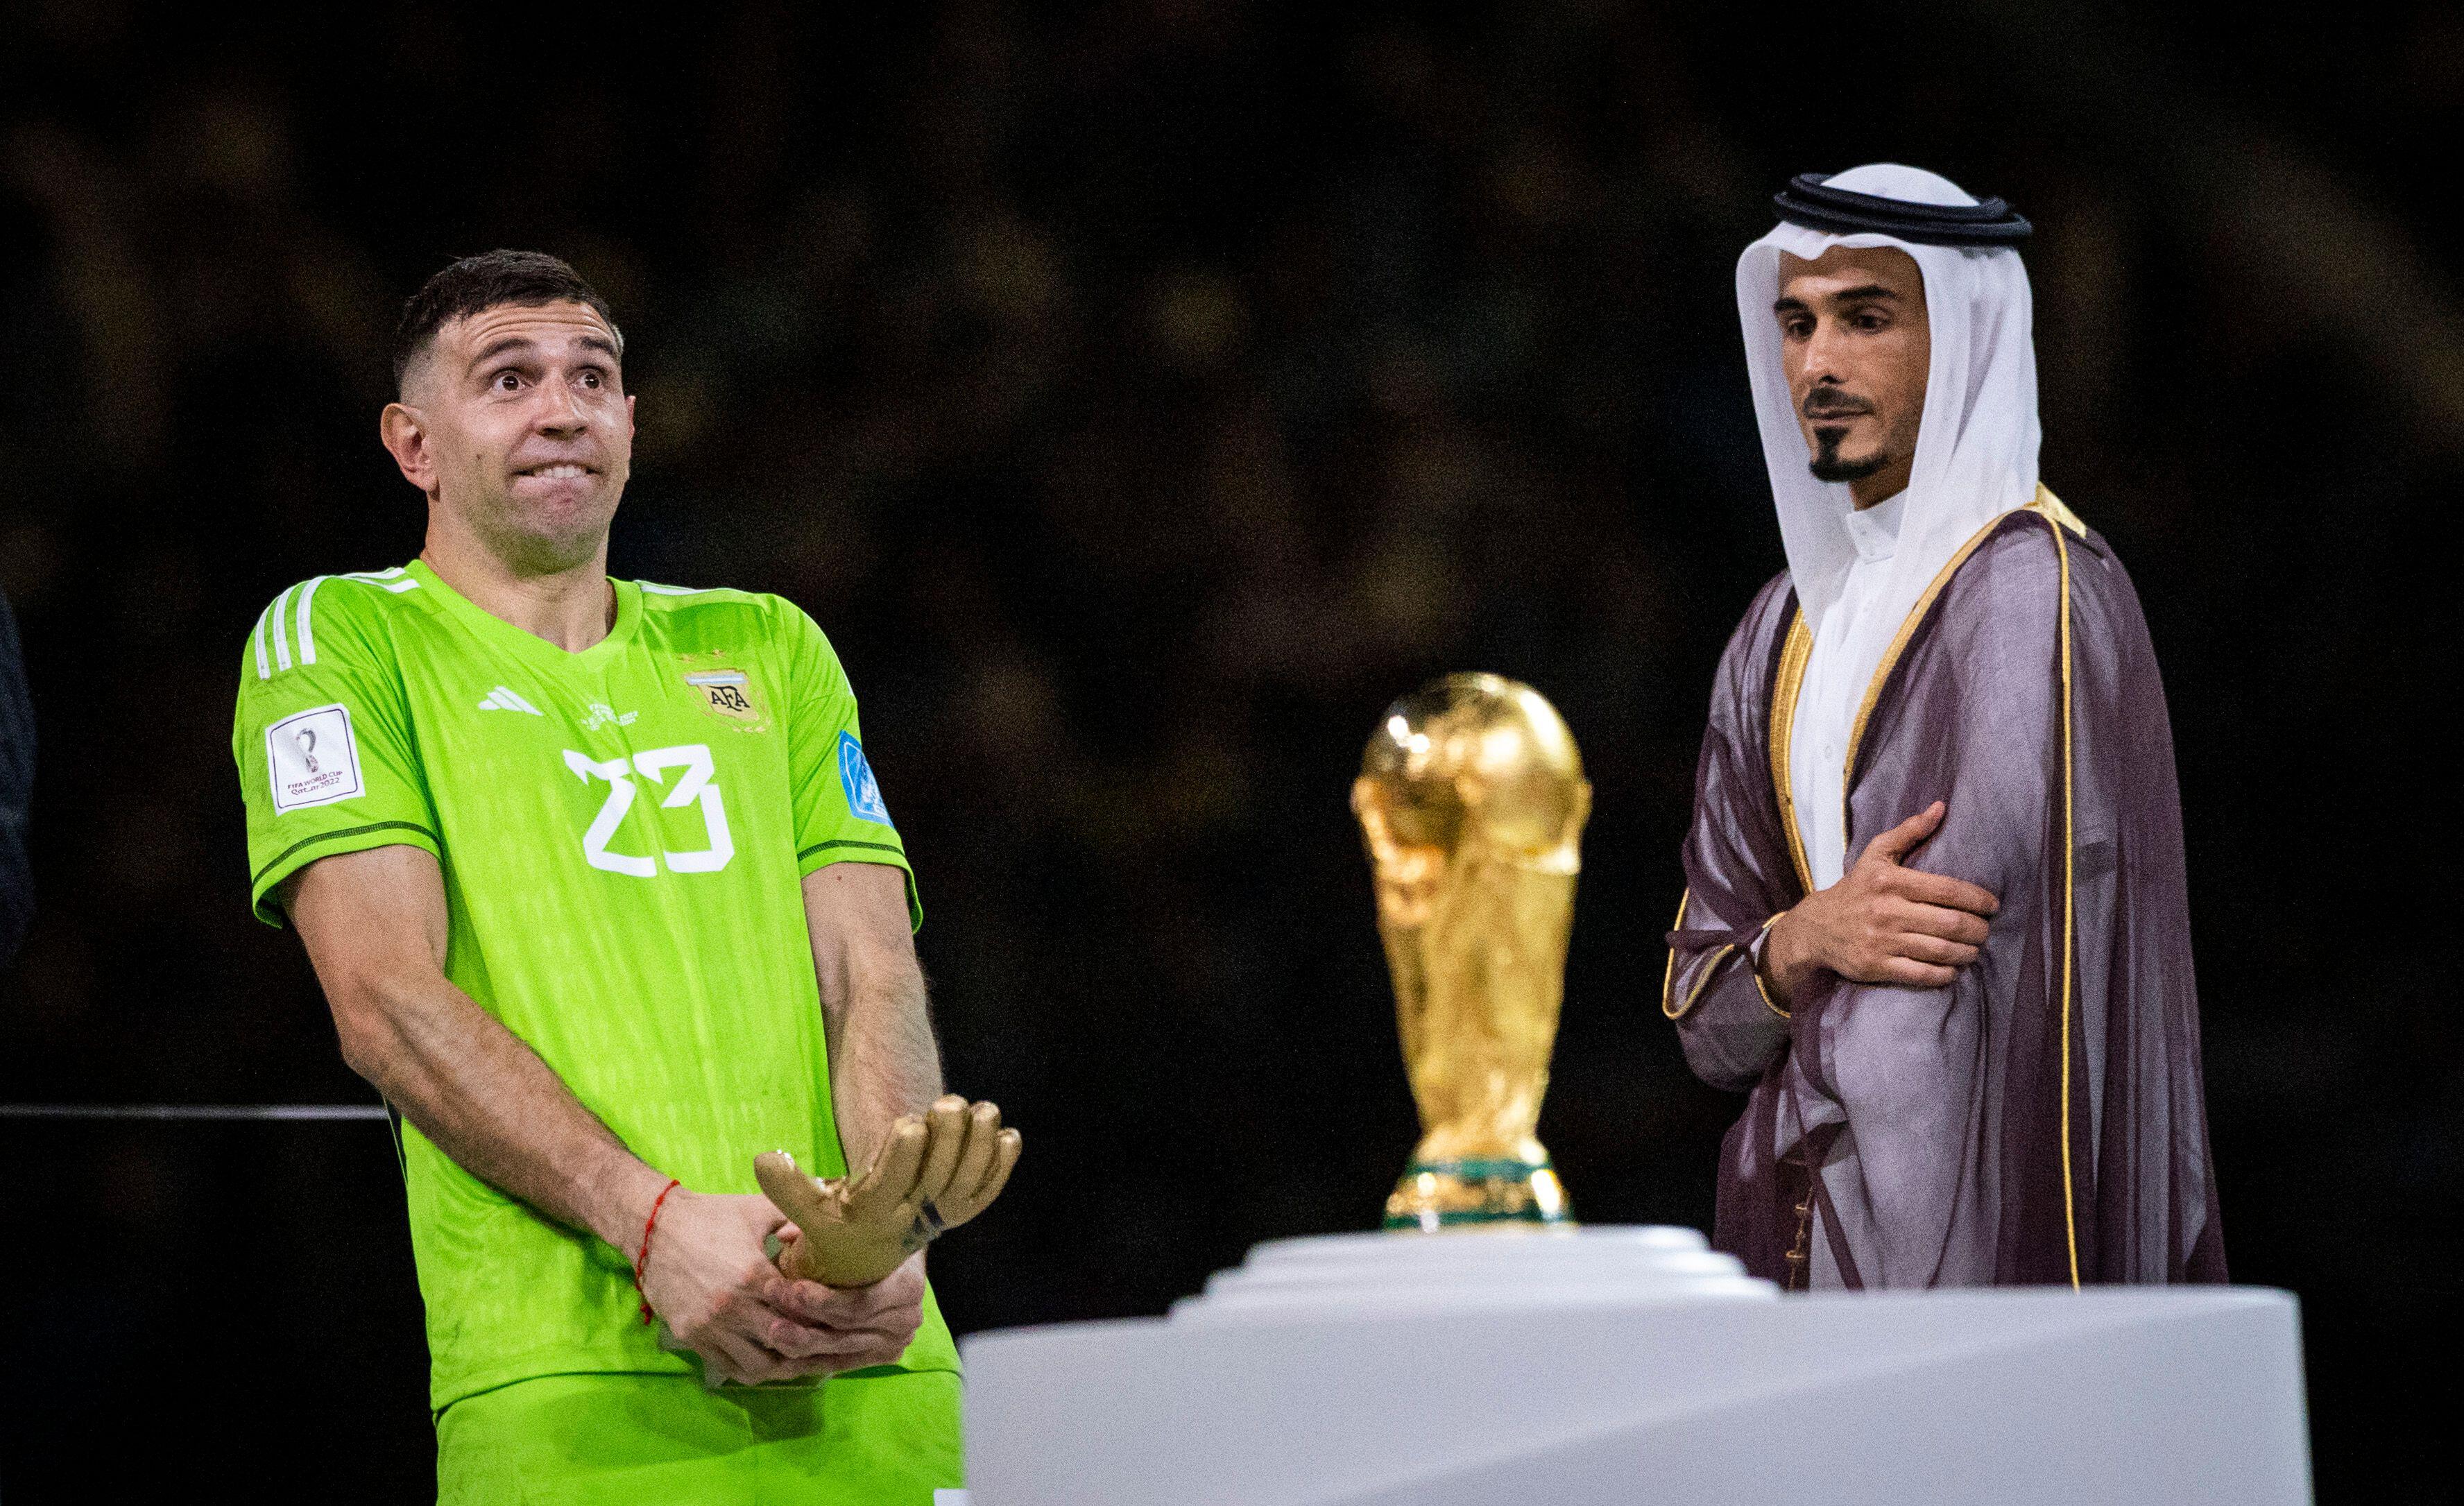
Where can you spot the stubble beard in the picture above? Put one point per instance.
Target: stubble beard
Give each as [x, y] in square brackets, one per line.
[531, 540]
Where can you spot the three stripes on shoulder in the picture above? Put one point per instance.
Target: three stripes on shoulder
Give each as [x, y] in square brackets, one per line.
[285, 618]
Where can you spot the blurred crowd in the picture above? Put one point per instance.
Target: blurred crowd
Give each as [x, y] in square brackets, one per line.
[1141, 395]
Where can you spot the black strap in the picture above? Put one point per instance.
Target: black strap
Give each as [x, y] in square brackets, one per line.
[1809, 200]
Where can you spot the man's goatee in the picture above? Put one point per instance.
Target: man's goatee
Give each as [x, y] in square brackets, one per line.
[1827, 466]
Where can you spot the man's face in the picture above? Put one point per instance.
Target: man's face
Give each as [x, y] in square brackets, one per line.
[1854, 347]
[516, 420]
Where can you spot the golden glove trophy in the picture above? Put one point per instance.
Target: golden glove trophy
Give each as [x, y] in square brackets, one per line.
[1471, 801]
[936, 1170]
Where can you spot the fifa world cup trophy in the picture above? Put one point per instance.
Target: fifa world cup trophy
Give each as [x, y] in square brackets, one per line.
[1471, 801]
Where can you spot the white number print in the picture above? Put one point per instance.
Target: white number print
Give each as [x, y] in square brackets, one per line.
[695, 783]
[695, 759]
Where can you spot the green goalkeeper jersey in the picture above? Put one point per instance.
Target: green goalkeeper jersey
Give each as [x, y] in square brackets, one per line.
[622, 832]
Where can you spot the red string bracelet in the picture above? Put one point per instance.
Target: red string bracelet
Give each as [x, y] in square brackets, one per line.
[642, 1262]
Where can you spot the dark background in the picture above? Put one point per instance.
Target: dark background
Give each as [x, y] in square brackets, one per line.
[1142, 395]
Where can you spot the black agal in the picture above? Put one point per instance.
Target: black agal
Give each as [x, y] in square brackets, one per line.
[1810, 201]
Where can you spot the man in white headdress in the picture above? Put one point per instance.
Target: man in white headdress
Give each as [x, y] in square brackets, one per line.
[1935, 919]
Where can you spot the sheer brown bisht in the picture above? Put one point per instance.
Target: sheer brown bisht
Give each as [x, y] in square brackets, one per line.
[2042, 1121]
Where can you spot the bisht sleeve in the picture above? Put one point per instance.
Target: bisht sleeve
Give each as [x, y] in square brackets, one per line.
[1737, 872]
[840, 816]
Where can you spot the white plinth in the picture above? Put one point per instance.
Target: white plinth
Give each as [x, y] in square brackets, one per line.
[1511, 1266]
[1633, 1366]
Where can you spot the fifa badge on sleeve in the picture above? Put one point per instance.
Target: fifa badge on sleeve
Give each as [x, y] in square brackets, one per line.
[312, 760]
[855, 777]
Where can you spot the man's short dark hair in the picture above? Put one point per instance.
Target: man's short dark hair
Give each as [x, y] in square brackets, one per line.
[475, 285]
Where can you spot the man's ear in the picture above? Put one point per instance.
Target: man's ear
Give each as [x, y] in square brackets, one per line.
[403, 433]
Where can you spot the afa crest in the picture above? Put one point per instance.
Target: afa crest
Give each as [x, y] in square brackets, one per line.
[729, 693]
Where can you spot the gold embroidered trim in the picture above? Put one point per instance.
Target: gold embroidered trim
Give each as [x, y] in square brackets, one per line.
[2050, 505]
[2070, 849]
[1891, 657]
[1710, 965]
[1769, 1002]
[1668, 974]
[1786, 685]
[2045, 504]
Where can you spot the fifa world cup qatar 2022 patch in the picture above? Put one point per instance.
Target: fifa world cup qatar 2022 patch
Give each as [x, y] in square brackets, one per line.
[855, 777]
[312, 758]
[729, 693]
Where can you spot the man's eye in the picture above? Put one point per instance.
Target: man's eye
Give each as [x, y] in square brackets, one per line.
[590, 379]
[507, 381]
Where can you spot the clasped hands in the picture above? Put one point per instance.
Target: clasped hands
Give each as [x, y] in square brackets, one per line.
[838, 1282]
[1883, 923]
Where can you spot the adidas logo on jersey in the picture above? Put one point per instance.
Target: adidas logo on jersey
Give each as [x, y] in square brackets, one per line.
[502, 699]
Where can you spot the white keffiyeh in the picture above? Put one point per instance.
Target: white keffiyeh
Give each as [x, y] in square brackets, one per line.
[1975, 460]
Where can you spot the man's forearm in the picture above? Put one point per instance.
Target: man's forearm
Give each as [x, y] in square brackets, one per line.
[375, 927]
[504, 1116]
[882, 1059]
[879, 1030]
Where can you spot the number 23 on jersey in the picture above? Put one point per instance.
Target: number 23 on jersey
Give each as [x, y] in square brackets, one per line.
[694, 782]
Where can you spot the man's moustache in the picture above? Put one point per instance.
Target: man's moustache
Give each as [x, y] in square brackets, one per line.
[1837, 407]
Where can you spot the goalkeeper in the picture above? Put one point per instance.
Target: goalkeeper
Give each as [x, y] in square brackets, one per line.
[599, 884]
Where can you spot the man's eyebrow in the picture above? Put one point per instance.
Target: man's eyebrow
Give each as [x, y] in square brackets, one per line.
[1790, 307]
[1871, 290]
[498, 347]
[509, 343]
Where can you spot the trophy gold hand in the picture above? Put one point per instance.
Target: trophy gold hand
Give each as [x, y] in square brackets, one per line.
[948, 1121]
[981, 1168]
[935, 1172]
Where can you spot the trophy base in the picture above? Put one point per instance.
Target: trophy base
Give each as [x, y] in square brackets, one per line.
[1462, 1194]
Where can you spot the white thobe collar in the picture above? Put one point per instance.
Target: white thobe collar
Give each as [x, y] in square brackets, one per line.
[1875, 530]
[1826, 708]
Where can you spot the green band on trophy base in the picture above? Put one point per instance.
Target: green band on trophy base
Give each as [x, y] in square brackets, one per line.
[1448, 1194]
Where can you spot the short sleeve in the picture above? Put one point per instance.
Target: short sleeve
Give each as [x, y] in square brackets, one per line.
[841, 815]
[328, 762]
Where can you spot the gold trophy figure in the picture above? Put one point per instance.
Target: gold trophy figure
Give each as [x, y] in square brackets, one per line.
[1471, 800]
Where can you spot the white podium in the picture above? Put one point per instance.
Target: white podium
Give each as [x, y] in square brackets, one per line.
[1632, 1364]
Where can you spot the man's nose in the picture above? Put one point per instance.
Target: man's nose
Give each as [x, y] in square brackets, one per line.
[558, 412]
[1822, 351]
